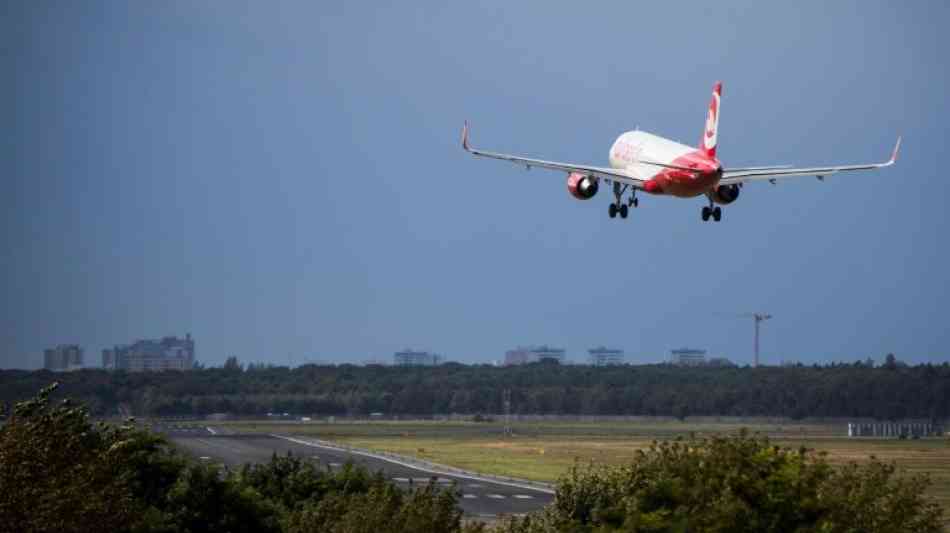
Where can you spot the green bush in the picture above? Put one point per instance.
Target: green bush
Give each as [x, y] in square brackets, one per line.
[735, 483]
[59, 472]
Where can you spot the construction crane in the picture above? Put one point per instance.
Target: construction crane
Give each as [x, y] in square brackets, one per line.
[759, 318]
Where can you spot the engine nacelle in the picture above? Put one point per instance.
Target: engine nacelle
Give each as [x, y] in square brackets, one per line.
[724, 194]
[581, 186]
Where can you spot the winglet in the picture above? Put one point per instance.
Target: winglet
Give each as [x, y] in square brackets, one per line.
[897, 148]
[465, 137]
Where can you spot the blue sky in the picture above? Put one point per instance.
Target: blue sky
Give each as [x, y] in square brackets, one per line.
[284, 181]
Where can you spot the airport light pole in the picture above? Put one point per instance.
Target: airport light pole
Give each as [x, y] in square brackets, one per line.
[759, 318]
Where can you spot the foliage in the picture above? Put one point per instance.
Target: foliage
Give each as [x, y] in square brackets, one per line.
[891, 391]
[735, 483]
[382, 509]
[60, 472]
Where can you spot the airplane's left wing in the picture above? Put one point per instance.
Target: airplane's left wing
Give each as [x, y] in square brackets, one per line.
[609, 174]
[737, 176]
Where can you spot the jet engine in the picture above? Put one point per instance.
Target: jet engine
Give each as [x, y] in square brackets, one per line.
[581, 186]
[724, 194]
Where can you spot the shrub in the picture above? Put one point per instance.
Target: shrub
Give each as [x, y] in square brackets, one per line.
[735, 483]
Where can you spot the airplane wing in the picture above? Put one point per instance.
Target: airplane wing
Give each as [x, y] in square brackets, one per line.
[738, 176]
[614, 174]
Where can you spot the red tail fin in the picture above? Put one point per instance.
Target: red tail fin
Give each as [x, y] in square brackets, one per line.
[710, 134]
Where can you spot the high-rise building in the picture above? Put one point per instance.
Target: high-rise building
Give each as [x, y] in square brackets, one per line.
[63, 357]
[533, 354]
[409, 357]
[167, 353]
[688, 357]
[603, 356]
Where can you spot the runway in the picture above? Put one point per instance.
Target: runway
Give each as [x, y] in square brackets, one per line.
[479, 498]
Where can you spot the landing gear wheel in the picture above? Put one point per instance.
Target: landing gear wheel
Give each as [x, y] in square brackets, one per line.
[623, 211]
[636, 202]
[612, 210]
[706, 212]
[717, 214]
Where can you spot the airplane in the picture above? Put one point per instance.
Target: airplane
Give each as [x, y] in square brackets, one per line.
[641, 161]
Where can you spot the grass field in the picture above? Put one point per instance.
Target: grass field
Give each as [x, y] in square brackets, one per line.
[542, 451]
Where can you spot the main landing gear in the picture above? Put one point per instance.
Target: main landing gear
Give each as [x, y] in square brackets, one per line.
[618, 206]
[714, 212]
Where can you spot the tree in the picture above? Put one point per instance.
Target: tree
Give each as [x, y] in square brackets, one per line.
[59, 473]
[890, 362]
[231, 364]
[735, 483]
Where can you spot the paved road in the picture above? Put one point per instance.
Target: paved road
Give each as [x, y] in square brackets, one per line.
[479, 498]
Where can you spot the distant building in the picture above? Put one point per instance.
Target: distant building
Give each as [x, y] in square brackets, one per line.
[409, 357]
[63, 357]
[605, 356]
[167, 353]
[688, 357]
[533, 354]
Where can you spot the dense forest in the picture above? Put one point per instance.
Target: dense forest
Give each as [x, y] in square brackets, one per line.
[890, 391]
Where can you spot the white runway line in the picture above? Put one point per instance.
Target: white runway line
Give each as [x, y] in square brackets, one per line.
[496, 496]
[524, 496]
[426, 480]
[469, 496]
[471, 476]
[213, 432]
[401, 479]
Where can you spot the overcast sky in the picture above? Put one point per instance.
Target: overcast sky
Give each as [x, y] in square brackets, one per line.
[284, 180]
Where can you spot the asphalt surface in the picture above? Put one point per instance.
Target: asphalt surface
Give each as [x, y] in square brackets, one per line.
[481, 498]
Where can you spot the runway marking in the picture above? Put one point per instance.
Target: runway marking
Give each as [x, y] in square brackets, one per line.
[474, 485]
[401, 479]
[496, 496]
[204, 458]
[335, 465]
[426, 480]
[469, 496]
[213, 432]
[474, 477]
[524, 496]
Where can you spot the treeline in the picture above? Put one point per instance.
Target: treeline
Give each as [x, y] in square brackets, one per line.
[889, 392]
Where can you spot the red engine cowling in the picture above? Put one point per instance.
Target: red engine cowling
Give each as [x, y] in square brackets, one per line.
[581, 186]
[724, 194]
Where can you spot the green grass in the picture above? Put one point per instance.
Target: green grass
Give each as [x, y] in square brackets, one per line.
[542, 451]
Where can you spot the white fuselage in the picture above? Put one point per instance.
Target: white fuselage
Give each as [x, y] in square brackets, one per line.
[633, 147]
